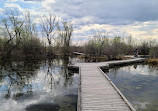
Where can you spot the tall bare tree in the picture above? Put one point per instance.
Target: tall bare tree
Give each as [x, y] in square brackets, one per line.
[13, 26]
[65, 34]
[48, 25]
[30, 42]
[30, 27]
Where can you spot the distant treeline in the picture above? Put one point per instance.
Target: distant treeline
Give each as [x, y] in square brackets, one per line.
[101, 45]
[20, 38]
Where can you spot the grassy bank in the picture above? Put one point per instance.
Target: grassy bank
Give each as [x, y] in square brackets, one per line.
[152, 61]
[102, 58]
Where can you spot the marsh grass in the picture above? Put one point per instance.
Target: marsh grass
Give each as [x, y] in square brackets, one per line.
[102, 58]
[153, 61]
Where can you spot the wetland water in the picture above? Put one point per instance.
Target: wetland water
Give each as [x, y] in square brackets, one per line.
[38, 86]
[139, 84]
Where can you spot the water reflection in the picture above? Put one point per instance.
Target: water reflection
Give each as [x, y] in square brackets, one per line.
[42, 85]
[139, 83]
[135, 66]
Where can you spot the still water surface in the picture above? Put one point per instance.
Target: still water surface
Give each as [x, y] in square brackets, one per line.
[38, 86]
[139, 84]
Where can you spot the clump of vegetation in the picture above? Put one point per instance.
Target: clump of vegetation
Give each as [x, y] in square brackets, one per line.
[152, 61]
[111, 48]
[153, 52]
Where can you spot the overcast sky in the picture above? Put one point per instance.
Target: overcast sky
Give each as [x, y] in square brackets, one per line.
[138, 18]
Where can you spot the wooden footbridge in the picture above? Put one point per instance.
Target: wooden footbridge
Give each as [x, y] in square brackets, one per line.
[97, 92]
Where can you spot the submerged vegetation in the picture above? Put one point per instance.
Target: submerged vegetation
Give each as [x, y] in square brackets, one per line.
[22, 38]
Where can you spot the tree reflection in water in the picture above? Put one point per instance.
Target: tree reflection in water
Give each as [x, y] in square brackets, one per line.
[16, 77]
[27, 79]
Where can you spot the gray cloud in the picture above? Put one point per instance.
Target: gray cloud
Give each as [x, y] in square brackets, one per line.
[116, 12]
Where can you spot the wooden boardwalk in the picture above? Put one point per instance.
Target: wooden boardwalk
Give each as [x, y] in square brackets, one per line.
[97, 92]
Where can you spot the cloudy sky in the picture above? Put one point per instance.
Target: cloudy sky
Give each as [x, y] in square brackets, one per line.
[138, 18]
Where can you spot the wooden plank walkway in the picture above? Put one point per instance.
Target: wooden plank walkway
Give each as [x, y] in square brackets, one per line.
[97, 92]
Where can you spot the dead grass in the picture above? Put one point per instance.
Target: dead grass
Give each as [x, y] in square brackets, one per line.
[152, 62]
[103, 58]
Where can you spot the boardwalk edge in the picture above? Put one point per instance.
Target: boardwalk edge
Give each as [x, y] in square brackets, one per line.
[79, 92]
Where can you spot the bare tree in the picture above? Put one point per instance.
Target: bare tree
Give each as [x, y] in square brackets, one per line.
[13, 26]
[100, 39]
[30, 28]
[65, 35]
[30, 44]
[48, 25]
